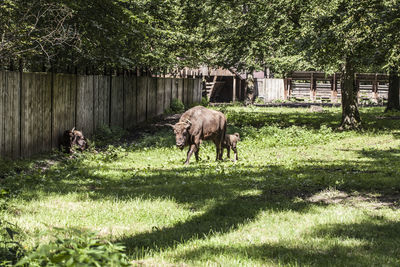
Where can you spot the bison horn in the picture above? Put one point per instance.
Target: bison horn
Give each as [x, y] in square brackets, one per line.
[189, 122]
[73, 129]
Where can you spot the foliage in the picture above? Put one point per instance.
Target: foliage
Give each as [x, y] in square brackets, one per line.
[177, 106]
[204, 101]
[76, 248]
[10, 249]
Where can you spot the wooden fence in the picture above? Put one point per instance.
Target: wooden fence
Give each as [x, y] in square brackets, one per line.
[36, 108]
[316, 86]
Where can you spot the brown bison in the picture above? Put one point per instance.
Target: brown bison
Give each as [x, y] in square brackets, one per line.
[197, 124]
[73, 139]
[230, 142]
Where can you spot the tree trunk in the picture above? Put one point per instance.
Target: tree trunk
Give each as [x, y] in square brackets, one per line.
[350, 115]
[393, 95]
[250, 88]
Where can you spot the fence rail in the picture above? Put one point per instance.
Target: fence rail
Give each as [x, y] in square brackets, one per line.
[36, 108]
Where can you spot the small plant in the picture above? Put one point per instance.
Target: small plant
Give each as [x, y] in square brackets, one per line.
[76, 249]
[204, 102]
[259, 100]
[177, 106]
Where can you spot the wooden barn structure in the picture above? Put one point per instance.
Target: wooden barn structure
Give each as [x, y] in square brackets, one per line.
[223, 85]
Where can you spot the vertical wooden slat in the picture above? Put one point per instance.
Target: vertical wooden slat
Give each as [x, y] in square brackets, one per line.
[117, 99]
[179, 89]
[64, 105]
[84, 104]
[174, 88]
[2, 111]
[160, 96]
[151, 97]
[190, 87]
[46, 115]
[95, 102]
[141, 98]
[14, 92]
[25, 114]
[130, 102]
[168, 93]
[185, 91]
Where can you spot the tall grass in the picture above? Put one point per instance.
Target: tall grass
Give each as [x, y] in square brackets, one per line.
[301, 193]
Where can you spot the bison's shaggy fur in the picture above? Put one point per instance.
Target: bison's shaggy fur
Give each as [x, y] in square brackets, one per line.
[72, 140]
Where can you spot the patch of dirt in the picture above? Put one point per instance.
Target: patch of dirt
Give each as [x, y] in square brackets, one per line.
[367, 200]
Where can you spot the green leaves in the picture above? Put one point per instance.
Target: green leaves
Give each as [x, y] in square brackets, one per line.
[74, 247]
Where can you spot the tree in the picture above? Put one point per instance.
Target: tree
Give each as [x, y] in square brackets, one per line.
[341, 34]
[34, 28]
[390, 47]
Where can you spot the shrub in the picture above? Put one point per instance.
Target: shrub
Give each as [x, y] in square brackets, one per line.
[79, 249]
[204, 102]
[177, 106]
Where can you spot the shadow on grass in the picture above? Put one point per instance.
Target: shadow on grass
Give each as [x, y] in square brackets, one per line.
[376, 242]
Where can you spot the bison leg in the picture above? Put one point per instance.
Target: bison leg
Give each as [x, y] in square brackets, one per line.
[196, 153]
[236, 154]
[228, 154]
[192, 149]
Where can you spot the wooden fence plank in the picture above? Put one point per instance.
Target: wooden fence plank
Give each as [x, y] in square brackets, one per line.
[195, 91]
[25, 114]
[117, 100]
[141, 98]
[151, 97]
[101, 90]
[64, 105]
[180, 89]
[174, 85]
[130, 102]
[160, 97]
[185, 92]
[2, 111]
[46, 115]
[84, 102]
[168, 93]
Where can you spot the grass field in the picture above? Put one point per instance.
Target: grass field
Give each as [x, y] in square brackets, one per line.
[301, 194]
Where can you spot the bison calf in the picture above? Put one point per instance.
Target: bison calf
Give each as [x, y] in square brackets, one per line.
[73, 139]
[230, 141]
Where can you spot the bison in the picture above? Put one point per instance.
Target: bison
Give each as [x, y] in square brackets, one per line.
[73, 138]
[230, 141]
[197, 124]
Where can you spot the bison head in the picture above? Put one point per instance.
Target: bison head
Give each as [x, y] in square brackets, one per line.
[181, 133]
[78, 140]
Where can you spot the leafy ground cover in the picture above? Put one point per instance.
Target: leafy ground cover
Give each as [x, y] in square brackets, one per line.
[300, 194]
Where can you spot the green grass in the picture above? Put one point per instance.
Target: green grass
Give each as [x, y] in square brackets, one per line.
[300, 194]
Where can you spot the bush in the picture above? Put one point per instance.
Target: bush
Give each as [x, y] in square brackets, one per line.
[204, 102]
[177, 106]
[79, 249]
